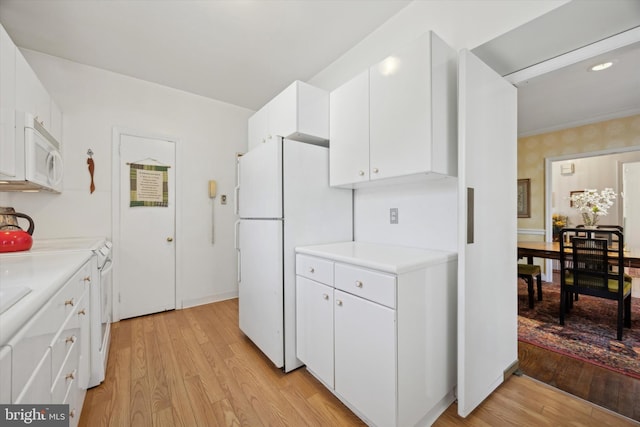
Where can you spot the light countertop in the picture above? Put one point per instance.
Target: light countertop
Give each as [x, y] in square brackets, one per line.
[43, 273]
[388, 258]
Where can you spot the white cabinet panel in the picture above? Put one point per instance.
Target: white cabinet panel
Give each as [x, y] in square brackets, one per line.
[314, 340]
[349, 132]
[365, 357]
[5, 374]
[37, 388]
[7, 105]
[55, 129]
[31, 96]
[487, 339]
[258, 128]
[300, 113]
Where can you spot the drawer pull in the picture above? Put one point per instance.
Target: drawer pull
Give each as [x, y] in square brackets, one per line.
[325, 296]
[69, 302]
[358, 284]
[87, 279]
[82, 312]
[375, 170]
[339, 302]
[361, 173]
[72, 413]
[72, 338]
[70, 376]
[311, 270]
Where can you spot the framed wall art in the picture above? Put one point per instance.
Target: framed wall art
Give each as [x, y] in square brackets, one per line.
[524, 198]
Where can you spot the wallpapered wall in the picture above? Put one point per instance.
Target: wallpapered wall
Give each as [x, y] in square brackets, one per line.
[532, 151]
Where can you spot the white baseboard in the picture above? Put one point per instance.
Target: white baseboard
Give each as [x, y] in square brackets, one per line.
[209, 299]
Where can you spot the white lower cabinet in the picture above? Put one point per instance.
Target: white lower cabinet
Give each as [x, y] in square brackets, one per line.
[47, 360]
[315, 327]
[383, 341]
[365, 357]
[5, 373]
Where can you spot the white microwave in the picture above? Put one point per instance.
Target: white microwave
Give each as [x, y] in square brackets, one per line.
[39, 163]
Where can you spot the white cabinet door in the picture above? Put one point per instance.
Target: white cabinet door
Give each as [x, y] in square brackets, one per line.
[31, 96]
[400, 109]
[55, 129]
[5, 374]
[7, 105]
[412, 110]
[365, 357]
[258, 128]
[487, 300]
[314, 333]
[349, 132]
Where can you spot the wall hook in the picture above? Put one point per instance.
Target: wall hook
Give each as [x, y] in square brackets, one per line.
[90, 152]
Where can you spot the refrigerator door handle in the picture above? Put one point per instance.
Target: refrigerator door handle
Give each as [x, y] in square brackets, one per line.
[236, 202]
[236, 244]
[236, 235]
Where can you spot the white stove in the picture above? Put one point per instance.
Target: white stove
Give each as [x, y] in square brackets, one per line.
[101, 294]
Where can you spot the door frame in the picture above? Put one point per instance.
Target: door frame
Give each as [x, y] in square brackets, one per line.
[115, 213]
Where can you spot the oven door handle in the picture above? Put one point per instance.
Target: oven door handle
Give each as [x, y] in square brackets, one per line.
[106, 268]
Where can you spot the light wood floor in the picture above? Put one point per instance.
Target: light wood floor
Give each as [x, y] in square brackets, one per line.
[194, 367]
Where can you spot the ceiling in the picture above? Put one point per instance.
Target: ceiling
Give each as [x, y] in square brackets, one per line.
[244, 52]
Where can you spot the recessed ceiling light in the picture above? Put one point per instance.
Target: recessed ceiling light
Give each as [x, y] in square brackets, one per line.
[601, 66]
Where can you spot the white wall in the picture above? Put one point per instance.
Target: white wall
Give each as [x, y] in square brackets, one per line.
[427, 211]
[597, 172]
[209, 133]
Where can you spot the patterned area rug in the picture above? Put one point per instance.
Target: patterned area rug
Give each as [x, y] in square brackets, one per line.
[588, 333]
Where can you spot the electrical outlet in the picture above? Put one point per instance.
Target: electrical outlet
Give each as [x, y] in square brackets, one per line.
[393, 216]
[223, 199]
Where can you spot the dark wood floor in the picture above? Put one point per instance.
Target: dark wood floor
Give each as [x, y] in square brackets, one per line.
[609, 389]
[606, 388]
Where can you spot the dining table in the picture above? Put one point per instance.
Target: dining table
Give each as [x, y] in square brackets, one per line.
[551, 250]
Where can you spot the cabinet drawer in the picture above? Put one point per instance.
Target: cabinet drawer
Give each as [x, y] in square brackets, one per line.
[37, 387]
[318, 269]
[5, 374]
[68, 335]
[67, 377]
[372, 285]
[31, 342]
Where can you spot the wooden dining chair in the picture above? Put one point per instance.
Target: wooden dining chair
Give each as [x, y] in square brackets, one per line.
[585, 269]
[528, 272]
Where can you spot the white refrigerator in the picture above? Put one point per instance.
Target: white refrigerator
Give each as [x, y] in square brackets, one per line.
[283, 201]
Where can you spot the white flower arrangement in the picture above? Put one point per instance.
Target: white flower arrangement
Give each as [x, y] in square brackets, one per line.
[592, 205]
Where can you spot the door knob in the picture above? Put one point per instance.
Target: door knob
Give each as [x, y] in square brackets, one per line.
[169, 239]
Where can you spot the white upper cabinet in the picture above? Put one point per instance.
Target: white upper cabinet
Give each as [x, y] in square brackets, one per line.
[299, 113]
[349, 132]
[406, 123]
[7, 104]
[32, 97]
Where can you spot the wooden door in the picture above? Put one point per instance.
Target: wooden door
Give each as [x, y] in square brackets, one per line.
[487, 292]
[144, 240]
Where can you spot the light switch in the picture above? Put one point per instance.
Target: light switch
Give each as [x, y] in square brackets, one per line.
[393, 216]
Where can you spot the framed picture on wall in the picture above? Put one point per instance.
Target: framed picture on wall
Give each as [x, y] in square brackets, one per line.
[571, 193]
[524, 198]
